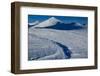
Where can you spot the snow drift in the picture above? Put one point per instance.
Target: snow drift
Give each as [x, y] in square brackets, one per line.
[54, 39]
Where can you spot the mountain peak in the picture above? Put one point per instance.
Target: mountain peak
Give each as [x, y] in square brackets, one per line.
[49, 22]
[76, 24]
[54, 19]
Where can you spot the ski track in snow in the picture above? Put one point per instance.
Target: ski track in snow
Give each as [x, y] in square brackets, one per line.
[53, 39]
[78, 46]
[62, 52]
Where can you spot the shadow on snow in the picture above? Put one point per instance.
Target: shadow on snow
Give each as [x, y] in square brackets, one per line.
[63, 26]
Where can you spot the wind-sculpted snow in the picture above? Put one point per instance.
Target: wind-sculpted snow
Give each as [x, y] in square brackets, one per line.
[74, 40]
[43, 49]
[53, 39]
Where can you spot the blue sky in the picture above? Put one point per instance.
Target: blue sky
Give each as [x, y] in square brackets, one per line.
[66, 19]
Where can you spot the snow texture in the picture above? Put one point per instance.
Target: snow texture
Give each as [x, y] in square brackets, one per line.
[50, 22]
[53, 43]
[33, 23]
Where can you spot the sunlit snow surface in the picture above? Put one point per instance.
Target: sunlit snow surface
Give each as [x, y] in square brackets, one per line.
[43, 44]
[52, 39]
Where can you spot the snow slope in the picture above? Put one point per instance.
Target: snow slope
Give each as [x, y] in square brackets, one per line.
[49, 22]
[54, 23]
[53, 39]
[33, 23]
[42, 49]
[75, 40]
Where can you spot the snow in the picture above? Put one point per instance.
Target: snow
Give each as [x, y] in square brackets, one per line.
[55, 23]
[42, 49]
[75, 40]
[33, 23]
[49, 22]
[53, 43]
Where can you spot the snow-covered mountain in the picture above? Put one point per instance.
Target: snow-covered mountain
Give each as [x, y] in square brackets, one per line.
[33, 23]
[76, 24]
[66, 26]
[54, 23]
[49, 22]
[55, 41]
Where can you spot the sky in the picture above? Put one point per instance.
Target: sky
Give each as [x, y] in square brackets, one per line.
[65, 19]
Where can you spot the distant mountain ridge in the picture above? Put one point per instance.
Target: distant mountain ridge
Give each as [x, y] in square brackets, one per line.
[49, 22]
[54, 23]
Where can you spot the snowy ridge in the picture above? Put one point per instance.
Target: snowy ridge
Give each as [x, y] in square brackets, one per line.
[54, 39]
[76, 24]
[33, 23]
[50, 22]
[54, 23]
